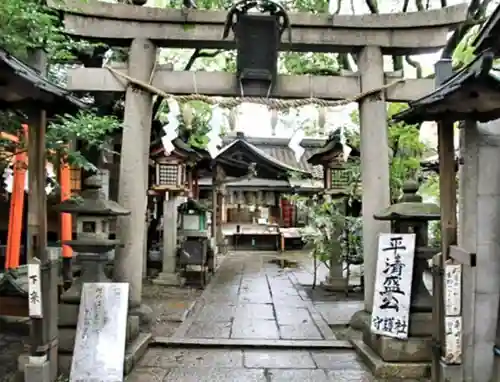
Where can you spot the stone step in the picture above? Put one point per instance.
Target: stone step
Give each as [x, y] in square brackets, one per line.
[250, 343]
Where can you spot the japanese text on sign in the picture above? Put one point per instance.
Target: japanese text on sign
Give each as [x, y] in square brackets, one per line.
[453, 289]
[34, 290]
[391, 302]
[453, 340]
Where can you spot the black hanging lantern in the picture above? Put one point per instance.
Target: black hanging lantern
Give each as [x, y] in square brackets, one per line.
[258, 37]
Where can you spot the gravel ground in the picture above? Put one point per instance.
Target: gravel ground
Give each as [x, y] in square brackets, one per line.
[169, 305]
[12, 340]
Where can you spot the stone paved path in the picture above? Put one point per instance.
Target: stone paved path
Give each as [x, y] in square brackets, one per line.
[251, 299]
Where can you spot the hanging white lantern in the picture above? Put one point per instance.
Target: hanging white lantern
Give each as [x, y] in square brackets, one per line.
[240, 198]
[260, 198]
[270, 200]
[250, 197]
[274, 121]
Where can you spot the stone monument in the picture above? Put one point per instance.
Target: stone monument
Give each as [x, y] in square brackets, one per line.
[93, 215]
[411, 358]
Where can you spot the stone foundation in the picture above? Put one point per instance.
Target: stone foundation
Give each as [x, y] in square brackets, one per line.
[392, 358]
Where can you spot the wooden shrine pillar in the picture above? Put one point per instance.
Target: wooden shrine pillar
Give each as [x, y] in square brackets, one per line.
[374, 161]
[218, 178]
[133, 182]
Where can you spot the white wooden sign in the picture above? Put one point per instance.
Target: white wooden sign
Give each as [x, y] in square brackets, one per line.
[453, 340]
[453, 289]
[35, 289]
[100, 337]
[392, 293]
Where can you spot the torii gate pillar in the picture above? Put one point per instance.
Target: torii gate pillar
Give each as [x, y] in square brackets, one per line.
[133, 183]
[374, 162]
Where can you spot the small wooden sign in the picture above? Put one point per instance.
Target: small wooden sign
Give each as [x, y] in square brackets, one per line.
[101, 332]
[453, 289]
[453, 340]
[391, 300]
[35, 307]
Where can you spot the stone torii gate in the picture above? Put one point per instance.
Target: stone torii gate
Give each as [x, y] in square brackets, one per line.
[143, 29]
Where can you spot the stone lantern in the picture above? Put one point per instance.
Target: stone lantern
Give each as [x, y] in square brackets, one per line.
[93, 246]
[170, 173]
[411, 215]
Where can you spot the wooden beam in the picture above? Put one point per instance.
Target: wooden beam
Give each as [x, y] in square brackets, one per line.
[227, 85]
[461, 256]
[400, 33]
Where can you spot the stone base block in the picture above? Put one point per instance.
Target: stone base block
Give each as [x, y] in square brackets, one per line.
[335, 284]
[420, 324]
[24, 360]
[413, 349]
[35, 372]
[388, 370]
[169, 279]
[67, 335]
[133, 353]
[451, 372]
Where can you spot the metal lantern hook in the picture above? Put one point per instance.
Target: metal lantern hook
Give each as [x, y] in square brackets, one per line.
[264, 6]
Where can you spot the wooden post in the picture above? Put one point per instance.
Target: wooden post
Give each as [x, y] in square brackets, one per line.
[448, 204]
[13, 252]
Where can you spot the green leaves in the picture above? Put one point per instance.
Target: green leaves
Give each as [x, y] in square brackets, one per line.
[26, 25]
[91, 130]
[404, 141]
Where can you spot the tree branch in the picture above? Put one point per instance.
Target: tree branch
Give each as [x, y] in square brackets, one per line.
[198, 53]
[415, 64]
[475, 15]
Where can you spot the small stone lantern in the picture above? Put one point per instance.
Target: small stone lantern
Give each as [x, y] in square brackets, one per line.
[93, 245]
[410, 215]
[194, 249]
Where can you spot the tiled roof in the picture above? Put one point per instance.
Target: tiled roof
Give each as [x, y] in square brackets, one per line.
[49, 92]
[278, 149]
[473, 92]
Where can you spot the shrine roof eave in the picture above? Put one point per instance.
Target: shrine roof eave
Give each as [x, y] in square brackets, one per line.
[325, 154]
[471, 93]
[182, 149]
[243, 145]
[488, 36]
[40, 89]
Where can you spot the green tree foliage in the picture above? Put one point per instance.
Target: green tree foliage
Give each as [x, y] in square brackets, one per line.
[29, 25]
[405, 145]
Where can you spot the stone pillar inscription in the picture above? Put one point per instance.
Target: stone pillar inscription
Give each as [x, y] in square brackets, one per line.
[374, 162]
